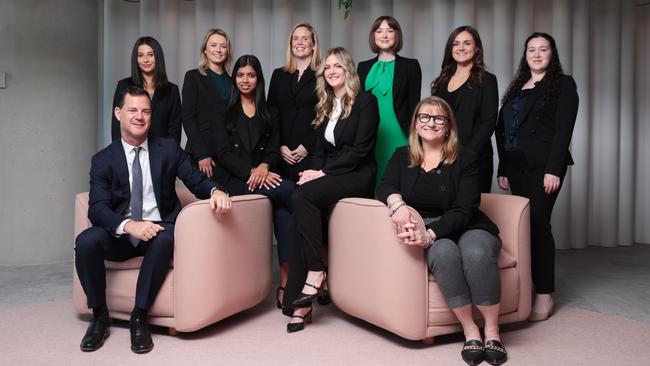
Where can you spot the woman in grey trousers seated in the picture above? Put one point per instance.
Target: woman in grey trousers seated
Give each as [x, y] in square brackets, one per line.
[441, 181]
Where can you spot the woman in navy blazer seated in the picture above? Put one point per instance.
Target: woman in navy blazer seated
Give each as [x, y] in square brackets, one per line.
[291, 91]
[395, 81]
[148, 72]
[472, 93]
[206, 90]
[533, 136]
[440, 180]
[343, 165]
[248, 139]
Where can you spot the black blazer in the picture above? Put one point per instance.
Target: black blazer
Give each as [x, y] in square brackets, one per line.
[203, 110]
[110, 192]
[355, 139]
[407, 83]
[476, 111]
[235, 158]
[460, 188]
[166, 111]
[295, 104]
[545, 130]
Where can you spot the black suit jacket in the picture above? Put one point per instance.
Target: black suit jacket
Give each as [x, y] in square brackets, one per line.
[236, 159]
[295, 104]
[476, 111]
[460, 189]
[545, 130]
[355, 139]
[110, 192]
[166, 111]
[407, 83]
[203, 111]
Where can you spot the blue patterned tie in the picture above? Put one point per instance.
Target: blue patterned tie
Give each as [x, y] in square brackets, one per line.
[136, 192]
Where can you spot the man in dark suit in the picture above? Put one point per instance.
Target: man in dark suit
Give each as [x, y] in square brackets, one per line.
[133, 207]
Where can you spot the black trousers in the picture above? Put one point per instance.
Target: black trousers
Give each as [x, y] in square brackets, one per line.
[307, 225]
[95, 244]
[485, 170]
[529, 182]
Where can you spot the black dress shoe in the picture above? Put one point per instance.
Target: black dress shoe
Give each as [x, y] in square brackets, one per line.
[140, 335]
[495, 352]
[296, 327]
[473, 352]
[97, 332]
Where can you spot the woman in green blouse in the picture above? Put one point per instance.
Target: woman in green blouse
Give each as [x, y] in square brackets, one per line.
[396, 82]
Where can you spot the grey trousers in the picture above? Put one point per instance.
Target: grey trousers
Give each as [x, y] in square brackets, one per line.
[467, 272]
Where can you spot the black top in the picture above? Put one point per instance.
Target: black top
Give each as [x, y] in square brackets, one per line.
[456, 188]
[476, 109]
[450, 97]
[407, 84]
[545, 129]
[244, 144]
[512, 118]
[165, 115]
[203, 110]
[423, 199]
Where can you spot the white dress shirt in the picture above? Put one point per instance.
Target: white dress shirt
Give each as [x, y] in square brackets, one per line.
[331, 124]
[149, 205]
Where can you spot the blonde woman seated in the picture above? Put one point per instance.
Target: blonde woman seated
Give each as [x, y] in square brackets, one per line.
[441, 181]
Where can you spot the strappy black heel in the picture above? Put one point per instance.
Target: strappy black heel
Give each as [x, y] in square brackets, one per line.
[296, 327]
[306, 299]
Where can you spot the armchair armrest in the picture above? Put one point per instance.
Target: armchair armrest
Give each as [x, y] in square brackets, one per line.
[372, 276]
[222, 263]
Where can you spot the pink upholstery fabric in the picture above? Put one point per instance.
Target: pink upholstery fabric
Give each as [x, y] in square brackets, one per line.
[374, 277]
[220, 266]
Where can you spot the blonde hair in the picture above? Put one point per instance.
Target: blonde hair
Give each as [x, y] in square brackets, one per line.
[450, 146]
[325, 93]
[203, 61]
[290, 66]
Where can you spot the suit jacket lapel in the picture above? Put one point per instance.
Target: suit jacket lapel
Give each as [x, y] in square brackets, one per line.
[120, 165]
[304, 80]
[155, 165]
[398, 77]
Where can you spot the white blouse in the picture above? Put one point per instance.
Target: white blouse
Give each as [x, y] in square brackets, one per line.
[331, 124]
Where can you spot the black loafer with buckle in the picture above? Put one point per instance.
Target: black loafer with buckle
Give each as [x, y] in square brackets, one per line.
[473, 352]
[495, 353]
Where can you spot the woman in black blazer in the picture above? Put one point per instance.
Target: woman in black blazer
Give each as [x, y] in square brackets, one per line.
[440, 180]
[247, 161]
[343, 165]
[395, 81]
[291, 92]
[472, 93]
[148, 72]
[205, 94]
[533, 136]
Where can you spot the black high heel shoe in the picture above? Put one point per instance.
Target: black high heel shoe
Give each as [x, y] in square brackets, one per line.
[324, 296]
[277, 297]
[305, 299]
[495, 352]
[296, 327]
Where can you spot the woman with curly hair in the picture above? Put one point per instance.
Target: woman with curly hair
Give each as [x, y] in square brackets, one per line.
[533, 136]
[472, 93]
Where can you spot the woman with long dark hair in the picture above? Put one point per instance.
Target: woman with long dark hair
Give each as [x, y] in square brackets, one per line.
[206, 90]
[248, 139]
[291, 91]
[472, 92]
[343, 165]
[533, 135]
[148, 72]
[395, 81]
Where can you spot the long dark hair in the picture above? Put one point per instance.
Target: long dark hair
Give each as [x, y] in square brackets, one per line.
[550, 83]
[449, 65]
[160, 73]
[234, 102]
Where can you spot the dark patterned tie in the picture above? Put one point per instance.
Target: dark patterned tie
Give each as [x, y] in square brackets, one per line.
[136, 192]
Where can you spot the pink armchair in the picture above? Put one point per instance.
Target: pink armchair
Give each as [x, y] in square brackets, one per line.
[220, 265]
[374, 277]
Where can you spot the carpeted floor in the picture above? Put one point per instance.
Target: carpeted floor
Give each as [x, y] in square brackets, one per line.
[49, 334]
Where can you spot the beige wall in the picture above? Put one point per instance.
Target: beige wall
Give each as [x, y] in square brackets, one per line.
[48, 123]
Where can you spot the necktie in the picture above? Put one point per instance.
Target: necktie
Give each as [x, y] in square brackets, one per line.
[136, 192]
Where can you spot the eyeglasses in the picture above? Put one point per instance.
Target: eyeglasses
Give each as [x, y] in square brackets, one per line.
[438, 120]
